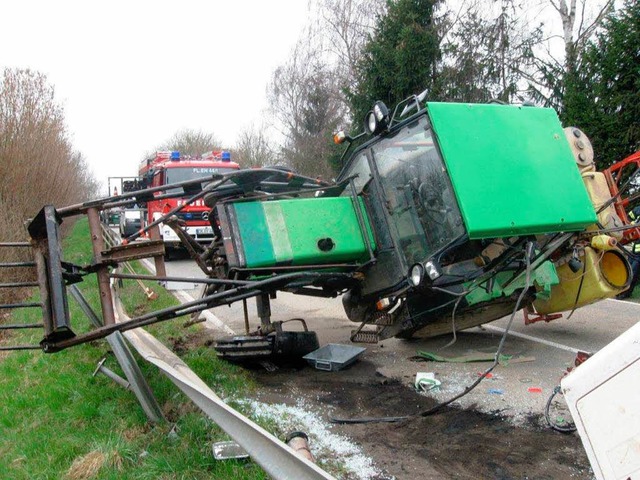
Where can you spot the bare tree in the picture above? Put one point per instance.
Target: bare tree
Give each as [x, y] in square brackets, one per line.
[304, 99]
[307, 93]
[553, 79]
[38, 165]
[253, 149]
[37, 161]
[191, 142]
[346, 26]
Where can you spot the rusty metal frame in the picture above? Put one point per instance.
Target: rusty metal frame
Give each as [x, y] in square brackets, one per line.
[45, 234]
[239, 292]
[614, 176]
[54, 275]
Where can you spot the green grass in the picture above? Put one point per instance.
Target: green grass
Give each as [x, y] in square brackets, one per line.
[53, 412]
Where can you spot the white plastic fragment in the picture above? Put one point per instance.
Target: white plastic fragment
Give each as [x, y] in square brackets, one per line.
[426, 381]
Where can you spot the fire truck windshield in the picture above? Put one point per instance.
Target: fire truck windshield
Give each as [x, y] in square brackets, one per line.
[181, 174]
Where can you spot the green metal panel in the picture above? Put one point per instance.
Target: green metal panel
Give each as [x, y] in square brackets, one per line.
[287, 232]
[254, 233]
[543, 277]
[511, 169]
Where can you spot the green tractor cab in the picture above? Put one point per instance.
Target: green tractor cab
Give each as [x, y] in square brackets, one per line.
[455, 192]
[445, 219]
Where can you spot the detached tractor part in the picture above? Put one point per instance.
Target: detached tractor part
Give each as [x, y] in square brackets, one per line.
[269, 341]
[275, 346]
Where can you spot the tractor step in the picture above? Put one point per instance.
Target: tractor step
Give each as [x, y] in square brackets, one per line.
[364, 337]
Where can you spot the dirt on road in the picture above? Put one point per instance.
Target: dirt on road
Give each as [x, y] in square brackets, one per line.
[454, 443]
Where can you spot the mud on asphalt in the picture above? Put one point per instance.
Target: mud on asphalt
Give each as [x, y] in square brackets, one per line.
[453, 443]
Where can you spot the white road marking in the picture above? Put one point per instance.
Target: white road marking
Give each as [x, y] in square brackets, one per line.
[535, 339]
[211, 321]
[548, 342]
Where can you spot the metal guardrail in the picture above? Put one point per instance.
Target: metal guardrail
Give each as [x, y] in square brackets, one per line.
[54, 275]
[137, 382]
[274, 456]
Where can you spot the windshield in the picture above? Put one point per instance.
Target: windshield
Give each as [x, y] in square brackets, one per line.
[420, 198]
[181, 174]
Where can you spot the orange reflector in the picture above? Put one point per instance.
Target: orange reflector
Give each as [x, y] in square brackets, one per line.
[382, 303]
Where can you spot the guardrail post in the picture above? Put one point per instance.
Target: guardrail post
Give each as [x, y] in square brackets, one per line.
[154, 234]
[102, 272]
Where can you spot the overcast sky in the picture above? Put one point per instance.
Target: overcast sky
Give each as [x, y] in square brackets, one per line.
[131, 73]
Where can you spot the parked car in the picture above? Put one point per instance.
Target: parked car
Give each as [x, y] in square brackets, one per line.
[130, 221]
[111, 217]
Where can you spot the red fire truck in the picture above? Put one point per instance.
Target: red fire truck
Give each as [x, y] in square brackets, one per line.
[170, 167]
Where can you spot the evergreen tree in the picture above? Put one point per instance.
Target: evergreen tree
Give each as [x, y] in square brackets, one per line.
[606, 102]
[485, 53]
[400, 58]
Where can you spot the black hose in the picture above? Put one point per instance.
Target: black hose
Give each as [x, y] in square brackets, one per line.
[547, 416]
[528, 254]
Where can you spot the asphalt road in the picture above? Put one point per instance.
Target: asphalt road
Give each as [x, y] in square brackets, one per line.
[516, 390]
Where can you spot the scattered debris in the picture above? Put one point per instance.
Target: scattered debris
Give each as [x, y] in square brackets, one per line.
[496, 391]
[326, 446]
[426, 381]
[503, 359]
[229, 450]
[470, 357]
[333, 357]
[173, 433]
[299, 441]
[534, 390]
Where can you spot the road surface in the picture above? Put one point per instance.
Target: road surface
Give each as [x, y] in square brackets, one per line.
[547, 348]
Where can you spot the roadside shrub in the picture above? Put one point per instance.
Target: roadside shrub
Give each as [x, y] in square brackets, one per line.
[38, 164]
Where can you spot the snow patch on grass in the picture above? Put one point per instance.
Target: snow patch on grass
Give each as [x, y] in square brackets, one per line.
[326, 446]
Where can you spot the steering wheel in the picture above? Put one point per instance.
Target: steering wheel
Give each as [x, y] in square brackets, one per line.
[432, 204]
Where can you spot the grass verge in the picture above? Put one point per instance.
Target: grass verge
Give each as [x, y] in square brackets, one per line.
[57, 421]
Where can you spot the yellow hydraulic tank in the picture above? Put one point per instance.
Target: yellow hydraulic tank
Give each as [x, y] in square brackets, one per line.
[606, 274]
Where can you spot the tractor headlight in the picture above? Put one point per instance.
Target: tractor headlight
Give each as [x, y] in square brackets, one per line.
[371, 123]
[377, 119]
[416, 274]
[433, 270]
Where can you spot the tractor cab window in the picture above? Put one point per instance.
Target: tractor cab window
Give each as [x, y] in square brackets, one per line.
[420, 199]
[368, 190]
[359, 168]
